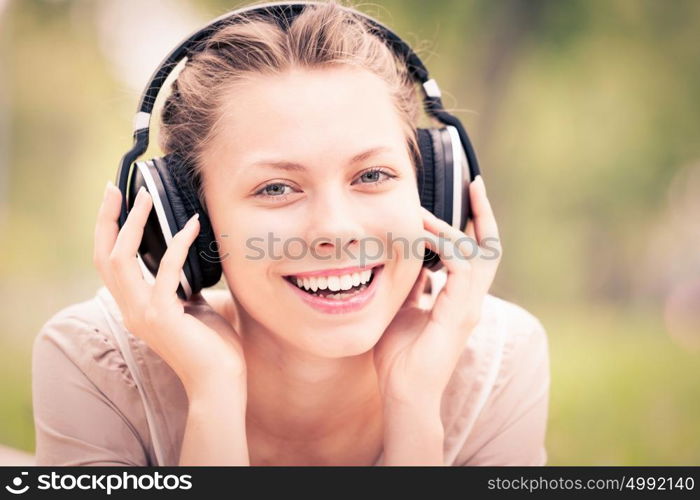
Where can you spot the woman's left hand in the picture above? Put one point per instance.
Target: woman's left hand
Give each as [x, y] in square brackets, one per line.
[419, 350]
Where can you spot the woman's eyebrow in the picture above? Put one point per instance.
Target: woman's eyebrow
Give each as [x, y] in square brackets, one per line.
[292, 166]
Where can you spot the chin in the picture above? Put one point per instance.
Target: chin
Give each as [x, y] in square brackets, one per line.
[342, 341]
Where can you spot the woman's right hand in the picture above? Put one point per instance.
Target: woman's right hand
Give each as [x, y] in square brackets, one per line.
[200, 345]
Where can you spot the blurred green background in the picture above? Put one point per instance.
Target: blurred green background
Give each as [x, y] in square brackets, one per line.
[585, 117]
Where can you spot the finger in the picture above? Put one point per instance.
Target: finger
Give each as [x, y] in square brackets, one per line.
[444, 333]
[459, 239]
[469, 230]
[106, 230]
[487, 235]
[457, 266]
[461, 262]
[125, 267]
[196, 302]
[484, 220]
[414, 296]
[170, 268]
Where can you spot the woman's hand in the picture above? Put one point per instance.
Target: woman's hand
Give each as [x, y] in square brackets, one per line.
[419, 350]
[197, 343]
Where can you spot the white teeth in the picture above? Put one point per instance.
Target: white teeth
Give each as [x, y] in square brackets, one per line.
[334, 283]
[346, 282]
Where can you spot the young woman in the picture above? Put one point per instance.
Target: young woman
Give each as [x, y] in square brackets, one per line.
[307, 135]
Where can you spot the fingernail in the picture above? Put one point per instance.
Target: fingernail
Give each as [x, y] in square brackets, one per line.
[109, 183]
[193, 218]
[141, 195]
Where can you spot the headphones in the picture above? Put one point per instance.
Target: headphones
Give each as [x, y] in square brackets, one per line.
[448, 166]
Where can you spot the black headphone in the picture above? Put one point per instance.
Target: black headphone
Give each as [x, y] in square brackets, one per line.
[448, 160]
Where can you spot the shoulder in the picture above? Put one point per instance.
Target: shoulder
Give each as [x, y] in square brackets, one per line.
[521, 372]
[80, 333]
[505, 327]
[495, 406]
[77, 355]
[79, 377]
[508, 341]
[524, 335]
[506, 332]
[504, 360]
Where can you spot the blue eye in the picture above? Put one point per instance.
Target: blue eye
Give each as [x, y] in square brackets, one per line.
[373, 176]
[276, 191]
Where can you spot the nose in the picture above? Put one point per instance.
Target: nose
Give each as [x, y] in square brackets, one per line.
[334, 227]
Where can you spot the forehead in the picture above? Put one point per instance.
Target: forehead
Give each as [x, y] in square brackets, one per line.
[303, 113]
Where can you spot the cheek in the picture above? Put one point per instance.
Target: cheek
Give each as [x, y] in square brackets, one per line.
[245, 235]
[402, 227]
[243, 265]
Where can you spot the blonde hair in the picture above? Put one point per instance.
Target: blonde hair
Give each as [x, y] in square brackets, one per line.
[320, 36]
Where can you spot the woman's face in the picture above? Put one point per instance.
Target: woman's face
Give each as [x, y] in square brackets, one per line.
[289, 191]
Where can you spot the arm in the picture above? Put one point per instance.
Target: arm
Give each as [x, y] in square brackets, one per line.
[189, 336]
[414, 435]
[216, 432]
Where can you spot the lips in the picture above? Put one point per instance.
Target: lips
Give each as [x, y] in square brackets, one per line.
[326, 284]
[333, 272]
[354, 299]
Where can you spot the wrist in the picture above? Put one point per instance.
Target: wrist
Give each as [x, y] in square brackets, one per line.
[415, 405]
[425, 415]
[216, 389]
[215, 433]
[225, 403]
[413, 435]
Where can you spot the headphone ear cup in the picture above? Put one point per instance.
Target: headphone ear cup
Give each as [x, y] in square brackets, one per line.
[164, 220]
[204, 251]
[426, 186]
[152, 246]
[426, 170]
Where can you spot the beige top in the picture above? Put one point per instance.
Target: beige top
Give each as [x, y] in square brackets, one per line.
[89, 411]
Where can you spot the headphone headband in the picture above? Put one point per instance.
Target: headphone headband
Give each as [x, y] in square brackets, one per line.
[283, 13]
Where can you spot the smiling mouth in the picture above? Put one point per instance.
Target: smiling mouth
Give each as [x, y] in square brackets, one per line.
[337, 287]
